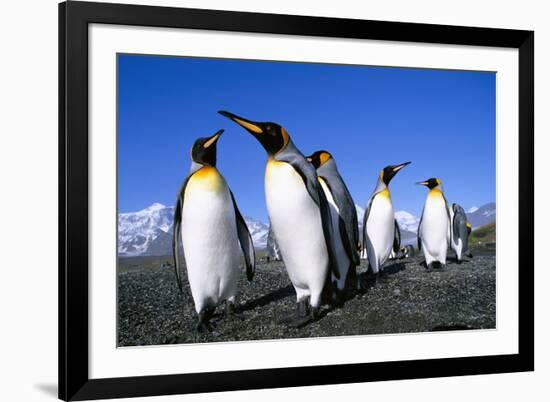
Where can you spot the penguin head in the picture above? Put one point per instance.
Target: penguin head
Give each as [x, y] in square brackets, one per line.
[431, 183]
[319, 158]
[204, 150]
[389, 172]
[272, 136]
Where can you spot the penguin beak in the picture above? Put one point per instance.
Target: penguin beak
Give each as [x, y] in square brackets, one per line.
[423, 183]
[390, 171]
[212, 140]
[309, 159]
[397, 168]
[252, 127]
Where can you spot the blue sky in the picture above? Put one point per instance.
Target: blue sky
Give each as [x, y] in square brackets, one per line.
[367, 117]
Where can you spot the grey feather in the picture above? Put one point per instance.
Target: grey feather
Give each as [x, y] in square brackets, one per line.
[176, 238]
[397, 238]
[246, 242]
[460, 230]
[419, 239]
[366, 240]
[349, 228]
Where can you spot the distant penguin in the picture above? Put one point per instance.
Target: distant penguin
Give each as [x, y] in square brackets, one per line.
[300, 216]
[434, 227]
[407, 251]
[460, 231]
[344, 220]
[379, 224]
[210, 228]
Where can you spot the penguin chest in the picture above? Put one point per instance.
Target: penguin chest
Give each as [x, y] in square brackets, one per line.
[209, 237]
[296, 223]
[381, 225]
[435, 225]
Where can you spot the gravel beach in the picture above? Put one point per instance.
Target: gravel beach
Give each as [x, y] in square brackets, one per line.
[407, 298]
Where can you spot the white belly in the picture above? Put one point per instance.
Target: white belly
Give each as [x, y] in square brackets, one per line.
[296, 222]
[381, 229]
[341, 254]
[210, 245]
[435, 229]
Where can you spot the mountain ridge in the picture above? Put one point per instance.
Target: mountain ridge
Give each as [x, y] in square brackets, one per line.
[149, 231]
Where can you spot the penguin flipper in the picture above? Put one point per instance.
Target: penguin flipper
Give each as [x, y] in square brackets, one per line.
[418, 232]
[397, 238]
[309, 176]
[176, 238]
[348, 225]
[247, 246]
[365, 219]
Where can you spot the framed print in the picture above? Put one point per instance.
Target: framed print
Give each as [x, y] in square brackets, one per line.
[258, 200]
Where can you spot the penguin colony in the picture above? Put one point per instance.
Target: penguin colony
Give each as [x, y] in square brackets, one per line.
[313, 221]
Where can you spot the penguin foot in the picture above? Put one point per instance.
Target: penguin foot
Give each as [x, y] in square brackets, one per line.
[435, 264]
[300, 322]
[303, 307]
[338, 298]
[205, 327]
[302, 312]
[204, 324]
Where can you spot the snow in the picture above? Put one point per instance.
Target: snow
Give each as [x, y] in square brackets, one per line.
[472, 210]
[137, 230]
[407, 221]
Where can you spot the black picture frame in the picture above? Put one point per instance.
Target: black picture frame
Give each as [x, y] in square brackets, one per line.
[74, 18]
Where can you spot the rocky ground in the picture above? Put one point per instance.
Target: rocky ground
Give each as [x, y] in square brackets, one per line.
[407, 298]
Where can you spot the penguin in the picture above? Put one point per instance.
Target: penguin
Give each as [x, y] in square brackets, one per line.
[407, 251]
[379, 224]
[210, 227]
[344, 221]
[434, 227]
[460, 231]
[300, 217]
[396, 248]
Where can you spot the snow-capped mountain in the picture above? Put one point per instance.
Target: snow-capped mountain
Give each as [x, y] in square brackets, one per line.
[137, 230]
[472, 210]
[406, 220]
[483, 215]
[149, 231]
[259, 232]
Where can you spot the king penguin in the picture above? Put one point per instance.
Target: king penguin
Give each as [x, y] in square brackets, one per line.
[460, 232]
[379, 224]
[344, 221]
[299, 214]
[210, 228]
[434, 226]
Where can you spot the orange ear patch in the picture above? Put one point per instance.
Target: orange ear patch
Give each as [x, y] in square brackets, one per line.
[285, 137]
[324, 157]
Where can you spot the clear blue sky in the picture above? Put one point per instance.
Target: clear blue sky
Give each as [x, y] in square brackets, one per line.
[367, 117]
